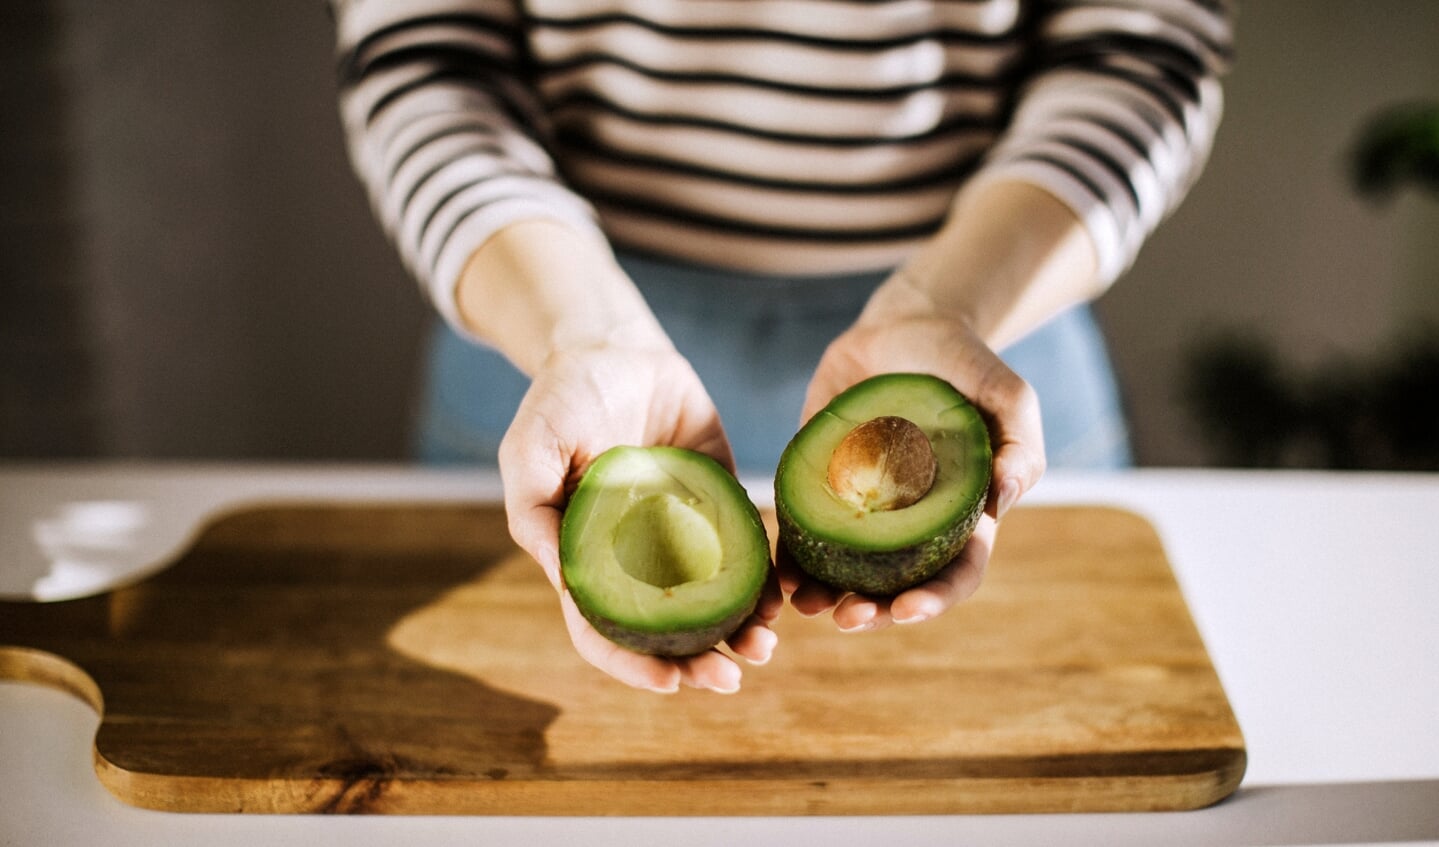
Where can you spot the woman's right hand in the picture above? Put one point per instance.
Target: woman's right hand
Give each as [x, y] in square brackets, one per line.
[581, 402]
[603, 373]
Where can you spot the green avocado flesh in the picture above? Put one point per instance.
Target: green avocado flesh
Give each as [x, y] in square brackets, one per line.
[662, 550]
[884, 552]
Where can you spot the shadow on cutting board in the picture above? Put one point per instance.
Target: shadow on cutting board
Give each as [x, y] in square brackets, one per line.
[255, 674]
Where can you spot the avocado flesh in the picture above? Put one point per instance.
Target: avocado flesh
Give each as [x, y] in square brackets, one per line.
[662, 550]
[881, 553]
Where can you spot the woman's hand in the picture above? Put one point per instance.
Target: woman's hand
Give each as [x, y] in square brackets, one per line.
[900, 331]
[603, 373]
[580, 403]
[1009, 258]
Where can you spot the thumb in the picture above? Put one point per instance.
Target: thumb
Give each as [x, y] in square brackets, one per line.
[1012, 409]
[534, 492]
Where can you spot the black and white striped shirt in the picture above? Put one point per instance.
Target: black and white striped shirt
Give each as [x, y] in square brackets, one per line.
[778, 136]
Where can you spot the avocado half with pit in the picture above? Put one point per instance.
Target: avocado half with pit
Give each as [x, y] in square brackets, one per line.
[884, 486]
[662, 550]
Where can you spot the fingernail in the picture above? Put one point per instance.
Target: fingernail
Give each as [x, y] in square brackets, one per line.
[867, 611]
[726, 686]
[1008, 493]
[766, 640]
[665, 689]
[921, 609]
[772, 641]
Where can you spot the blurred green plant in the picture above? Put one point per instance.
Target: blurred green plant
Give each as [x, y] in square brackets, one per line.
[1255, 409]
[1380, 412]
[1398, 147]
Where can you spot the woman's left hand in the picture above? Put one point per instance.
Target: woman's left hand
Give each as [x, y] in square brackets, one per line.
[900, 331]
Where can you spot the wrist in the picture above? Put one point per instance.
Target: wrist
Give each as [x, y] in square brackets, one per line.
[539, 288]
[902, 297]
[1010, 257]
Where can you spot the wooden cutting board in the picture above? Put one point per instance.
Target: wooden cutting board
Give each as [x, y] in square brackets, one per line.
[408, 659]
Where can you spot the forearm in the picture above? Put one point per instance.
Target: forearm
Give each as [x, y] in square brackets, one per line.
[540, 286]
[444, 132]
[1011, 257]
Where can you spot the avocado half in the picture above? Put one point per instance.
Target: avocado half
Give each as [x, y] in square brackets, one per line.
[882, 552]
[662, 550]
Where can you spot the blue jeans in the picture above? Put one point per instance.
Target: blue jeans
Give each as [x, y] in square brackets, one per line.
[755, 342]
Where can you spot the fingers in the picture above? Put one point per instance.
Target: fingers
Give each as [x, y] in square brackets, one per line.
[809, 597]
[1012, 408]
[755, 642]
[536, 529]
[771, 600]
[786, 571]
[711, 670]
[813, 598]
[858, 613]
[634, 669]
[955, 583]
[533, 481]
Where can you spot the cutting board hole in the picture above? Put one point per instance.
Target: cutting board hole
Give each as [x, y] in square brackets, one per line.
[38, 667]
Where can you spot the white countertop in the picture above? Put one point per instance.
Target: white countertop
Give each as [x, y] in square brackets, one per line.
[1316, 594]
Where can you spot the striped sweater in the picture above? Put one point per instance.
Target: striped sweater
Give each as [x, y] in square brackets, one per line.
[776, 136]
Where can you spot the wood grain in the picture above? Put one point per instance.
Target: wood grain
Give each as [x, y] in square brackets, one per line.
[408, 659]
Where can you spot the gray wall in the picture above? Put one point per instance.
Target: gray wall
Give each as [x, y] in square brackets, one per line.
[247, 303]
[217, 288]
[241, 301]
[1272, 236]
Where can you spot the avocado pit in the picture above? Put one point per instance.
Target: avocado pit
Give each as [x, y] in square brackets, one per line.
[857, 544]
[884, 464]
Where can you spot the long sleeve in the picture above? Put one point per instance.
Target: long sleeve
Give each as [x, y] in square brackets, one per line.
[827, 136]
[1119, 112]
[443, 131]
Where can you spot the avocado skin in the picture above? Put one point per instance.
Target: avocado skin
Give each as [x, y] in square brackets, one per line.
[869, 572]
[677, 644]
